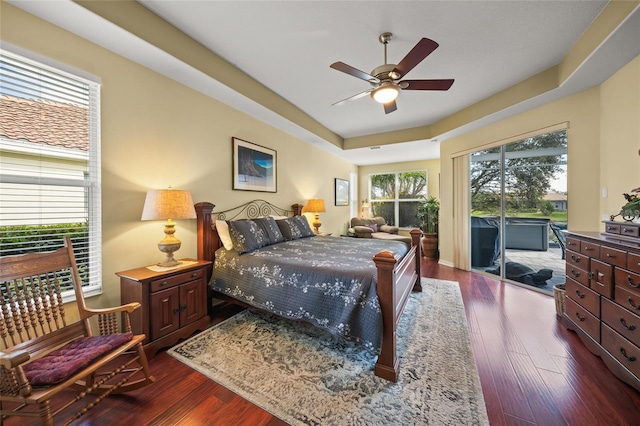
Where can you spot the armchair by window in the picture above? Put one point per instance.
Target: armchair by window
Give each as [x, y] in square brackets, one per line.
[377, 228]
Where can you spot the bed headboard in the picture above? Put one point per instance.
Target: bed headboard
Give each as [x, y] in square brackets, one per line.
[208, 239]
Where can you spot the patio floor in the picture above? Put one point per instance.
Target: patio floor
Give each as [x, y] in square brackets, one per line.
[536, 260]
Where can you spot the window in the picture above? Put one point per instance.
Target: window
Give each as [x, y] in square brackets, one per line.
[50, 164]
[396, 196]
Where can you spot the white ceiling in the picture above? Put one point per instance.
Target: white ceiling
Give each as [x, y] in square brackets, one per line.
[486, 46]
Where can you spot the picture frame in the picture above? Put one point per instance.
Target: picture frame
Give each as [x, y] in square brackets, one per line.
[255, 167]
[342, 192]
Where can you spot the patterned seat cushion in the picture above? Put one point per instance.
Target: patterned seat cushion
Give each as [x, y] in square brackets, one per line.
[71, 358]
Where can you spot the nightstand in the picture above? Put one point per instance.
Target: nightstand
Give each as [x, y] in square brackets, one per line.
[174, 302]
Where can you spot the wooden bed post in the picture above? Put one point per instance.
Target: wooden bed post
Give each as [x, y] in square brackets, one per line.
[387, 366]
[204, 234]
[416, 235]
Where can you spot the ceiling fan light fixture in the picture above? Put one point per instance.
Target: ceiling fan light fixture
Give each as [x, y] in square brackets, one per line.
[385, 93]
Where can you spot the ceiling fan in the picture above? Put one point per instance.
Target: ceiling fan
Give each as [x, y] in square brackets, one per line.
[385, 79]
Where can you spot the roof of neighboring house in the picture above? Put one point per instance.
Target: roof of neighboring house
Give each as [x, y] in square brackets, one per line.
[42, 121]
[554, 196]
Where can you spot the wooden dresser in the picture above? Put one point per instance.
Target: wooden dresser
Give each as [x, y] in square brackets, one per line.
[602, 299]
[174, 303]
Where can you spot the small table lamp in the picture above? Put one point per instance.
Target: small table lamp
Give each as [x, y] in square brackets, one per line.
[316, 205]
[168, 204]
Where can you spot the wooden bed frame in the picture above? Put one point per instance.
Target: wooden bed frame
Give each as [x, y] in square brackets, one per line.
[396, 279]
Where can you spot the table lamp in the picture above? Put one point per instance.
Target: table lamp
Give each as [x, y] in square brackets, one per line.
[168, 204]
[316, 206]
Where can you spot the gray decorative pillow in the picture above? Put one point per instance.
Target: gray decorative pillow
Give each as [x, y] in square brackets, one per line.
[270, 229]
[294, 228]
[246, 236]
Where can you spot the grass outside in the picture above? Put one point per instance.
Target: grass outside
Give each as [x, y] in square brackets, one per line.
[555, 216]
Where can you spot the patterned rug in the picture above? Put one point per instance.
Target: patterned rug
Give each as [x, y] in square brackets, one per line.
[305, 376]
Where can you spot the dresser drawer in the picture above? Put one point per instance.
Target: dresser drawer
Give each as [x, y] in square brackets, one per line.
[631, 231]
[601, 278]
[627, 280]
[621, 320]
[582, 318]
[633, 262]
[175, 280]
[572, 244]
[585, 297]
[611, 228]
[578, 274]
[590, 249]
[627, 299]
[614, 256]
[621, 349]
[577, 259]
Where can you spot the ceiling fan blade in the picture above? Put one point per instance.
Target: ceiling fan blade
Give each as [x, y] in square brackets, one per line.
[348, 69]
[350, 98]
[390, 107]
[420, 51]
[443, 84]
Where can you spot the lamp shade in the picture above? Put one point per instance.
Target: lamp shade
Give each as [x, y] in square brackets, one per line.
[315, 205]
[168, 204]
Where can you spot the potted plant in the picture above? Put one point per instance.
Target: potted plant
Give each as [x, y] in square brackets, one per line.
[428, 213]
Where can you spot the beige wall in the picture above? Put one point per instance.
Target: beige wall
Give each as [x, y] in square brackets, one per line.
[603, 150]
[620, 136]
[158, 133]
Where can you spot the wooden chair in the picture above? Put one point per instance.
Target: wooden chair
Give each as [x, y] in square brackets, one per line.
[41, 355]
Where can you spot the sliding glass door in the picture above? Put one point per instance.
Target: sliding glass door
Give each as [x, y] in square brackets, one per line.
[518, 207]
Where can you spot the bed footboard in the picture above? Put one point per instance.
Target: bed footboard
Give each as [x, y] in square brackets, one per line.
[396, 280]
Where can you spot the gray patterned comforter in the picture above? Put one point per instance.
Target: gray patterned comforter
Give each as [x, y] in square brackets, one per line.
[327, 281]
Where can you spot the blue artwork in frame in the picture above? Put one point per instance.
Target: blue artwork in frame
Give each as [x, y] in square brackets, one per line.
[254, 167]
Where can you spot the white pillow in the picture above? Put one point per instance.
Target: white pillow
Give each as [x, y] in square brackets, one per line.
[278, 217]
[223, 232]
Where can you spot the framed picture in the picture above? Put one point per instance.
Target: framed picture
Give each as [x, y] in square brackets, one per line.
[255, 168]
[342, 192]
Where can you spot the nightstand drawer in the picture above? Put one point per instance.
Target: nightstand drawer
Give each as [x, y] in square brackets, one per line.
[633, 262]
[175, 280]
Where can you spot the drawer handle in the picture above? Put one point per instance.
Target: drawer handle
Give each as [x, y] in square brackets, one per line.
[163, 283]
[590, 275]
[624, 324]
[624, 354]
[610, 228]
[625, 230]
[588, 249]
[581, 319]
[580, 295]
[609, 255]
[630, 301]
[179, 309]
[195, 274]
[575, 258]
[630, 282]
[575, 273]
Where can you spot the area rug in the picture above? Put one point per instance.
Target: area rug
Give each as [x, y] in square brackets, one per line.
[305, 376]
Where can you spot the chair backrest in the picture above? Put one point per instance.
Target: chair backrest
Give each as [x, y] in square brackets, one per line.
[361, 221]
[32, 314]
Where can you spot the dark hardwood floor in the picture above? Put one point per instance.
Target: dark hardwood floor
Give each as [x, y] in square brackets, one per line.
[533, 371]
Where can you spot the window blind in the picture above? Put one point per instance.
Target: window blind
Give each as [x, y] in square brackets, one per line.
[50, 164]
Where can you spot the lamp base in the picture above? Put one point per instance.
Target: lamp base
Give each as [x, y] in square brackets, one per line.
[316, 224]
[169, 248]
